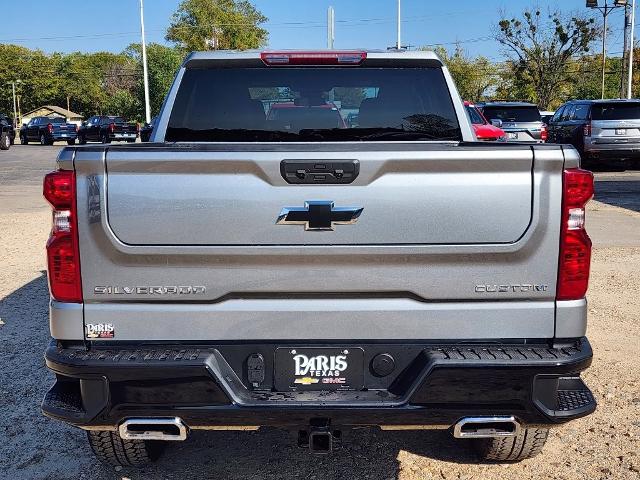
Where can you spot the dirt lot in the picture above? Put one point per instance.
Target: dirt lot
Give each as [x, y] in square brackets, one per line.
[604, 445]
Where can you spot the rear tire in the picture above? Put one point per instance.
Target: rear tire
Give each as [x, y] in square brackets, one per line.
[527, 444]
[82, 140]
[44, 141]
[24, 140]
[109, 448]
[5, 141]
[71, 142]
[105, 138]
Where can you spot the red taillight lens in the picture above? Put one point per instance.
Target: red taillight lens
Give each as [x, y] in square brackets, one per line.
[77, 128]
[50, 128]
[63, 255]
[587, 129]
[544, 133]
[313, 58]
[575, 244]
[112, 127]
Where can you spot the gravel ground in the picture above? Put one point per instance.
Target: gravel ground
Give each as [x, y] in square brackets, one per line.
[604, 445]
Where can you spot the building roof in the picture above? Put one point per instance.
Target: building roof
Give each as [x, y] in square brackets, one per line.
[59, 110]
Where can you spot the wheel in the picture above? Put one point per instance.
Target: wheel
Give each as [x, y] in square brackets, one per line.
[23, 140]
[527, 444]
[82, 140]
[104, 138]
[44, 141]
[71, 142]
[5, 141]
[109, 448]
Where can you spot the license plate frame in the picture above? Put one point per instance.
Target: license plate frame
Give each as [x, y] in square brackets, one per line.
[304, 369]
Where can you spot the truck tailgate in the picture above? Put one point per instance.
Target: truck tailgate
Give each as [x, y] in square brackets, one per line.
[181, 242]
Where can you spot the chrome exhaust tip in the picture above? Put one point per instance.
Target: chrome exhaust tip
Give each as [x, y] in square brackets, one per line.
[165, 429]
[486, 427]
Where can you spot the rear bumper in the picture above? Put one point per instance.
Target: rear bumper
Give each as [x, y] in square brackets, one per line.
[63, 136]
[612, 151]
[207, 386]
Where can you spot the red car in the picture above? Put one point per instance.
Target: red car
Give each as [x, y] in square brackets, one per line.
[483, 129]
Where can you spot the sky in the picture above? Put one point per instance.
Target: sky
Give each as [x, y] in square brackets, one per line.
[89, 26]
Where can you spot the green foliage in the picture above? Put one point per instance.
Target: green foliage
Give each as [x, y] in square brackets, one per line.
[474, 77]
[163, 62]
[96, 83]
[540, 49]
[217, 25]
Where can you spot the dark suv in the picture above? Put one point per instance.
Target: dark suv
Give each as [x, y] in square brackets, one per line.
[601, 130]
[521, 121]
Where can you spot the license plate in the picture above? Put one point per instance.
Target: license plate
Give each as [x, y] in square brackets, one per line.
[512, 135]
[304, 369]
[621, 131]
[124, 135]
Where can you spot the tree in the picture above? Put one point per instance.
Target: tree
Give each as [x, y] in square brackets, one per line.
[474, 77]
[540, 48]
[163, 62]
[217, 24]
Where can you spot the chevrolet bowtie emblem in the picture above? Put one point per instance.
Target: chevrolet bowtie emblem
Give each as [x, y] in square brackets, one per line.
[319, 215]
[306, 381]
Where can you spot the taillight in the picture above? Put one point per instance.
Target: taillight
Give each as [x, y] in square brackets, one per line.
[544, 133]
[50, 128]
[77, 128]
[63, 255]
[112, 127]
[575, 244]
[587, 129]
[313, 58]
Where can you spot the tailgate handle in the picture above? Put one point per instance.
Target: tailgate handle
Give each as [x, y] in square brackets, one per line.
[322, 172]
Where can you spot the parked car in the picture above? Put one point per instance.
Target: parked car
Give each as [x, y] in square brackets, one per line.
[47, 130]
[483, 129]
[521, 121]
[147, 130]
[546, 116]
[107, 128]
[601, 130]
[250, 272]
[8, 122]
[5, 136]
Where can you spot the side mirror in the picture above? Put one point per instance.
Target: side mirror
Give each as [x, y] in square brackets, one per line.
[496, 122]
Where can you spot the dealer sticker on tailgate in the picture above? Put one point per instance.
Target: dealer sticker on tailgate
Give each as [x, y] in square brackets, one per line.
[318, 368]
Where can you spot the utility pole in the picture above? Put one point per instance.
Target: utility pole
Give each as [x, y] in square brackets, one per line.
[399, 42]
[623, 76]
[147, 105]
[15, 110]
[331, 28]
[605, 10]
[631, 47]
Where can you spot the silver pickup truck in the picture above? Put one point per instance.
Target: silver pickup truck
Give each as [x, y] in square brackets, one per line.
[263, 262]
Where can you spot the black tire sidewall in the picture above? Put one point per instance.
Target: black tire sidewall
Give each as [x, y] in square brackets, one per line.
[5, 141]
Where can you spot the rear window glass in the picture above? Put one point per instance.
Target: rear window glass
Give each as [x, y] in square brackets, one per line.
[313, 104]
[616, 111]
[512, 114]
[57, 120]
[474, 116]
